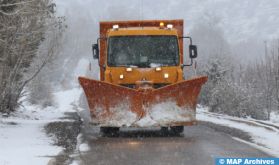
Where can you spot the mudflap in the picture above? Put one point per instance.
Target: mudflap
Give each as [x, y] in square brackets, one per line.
[117, 106]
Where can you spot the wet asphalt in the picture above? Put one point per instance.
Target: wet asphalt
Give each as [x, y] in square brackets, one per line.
[198, 145]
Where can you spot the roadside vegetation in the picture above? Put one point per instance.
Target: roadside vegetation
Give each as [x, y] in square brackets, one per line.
[29, 38]
[236, 86]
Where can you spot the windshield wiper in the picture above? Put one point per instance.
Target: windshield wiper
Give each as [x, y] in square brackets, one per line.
[127, 66]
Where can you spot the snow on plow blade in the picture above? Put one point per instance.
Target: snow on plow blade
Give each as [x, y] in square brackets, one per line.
[118, 106]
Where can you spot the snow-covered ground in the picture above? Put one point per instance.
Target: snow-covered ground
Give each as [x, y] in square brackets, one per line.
[22, 136]
[265, 134]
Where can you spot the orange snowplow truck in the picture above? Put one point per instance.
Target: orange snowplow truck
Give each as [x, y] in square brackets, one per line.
[141, 77]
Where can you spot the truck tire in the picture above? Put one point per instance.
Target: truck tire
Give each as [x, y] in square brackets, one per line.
[164, 130]
[177, 129]
[110, 131]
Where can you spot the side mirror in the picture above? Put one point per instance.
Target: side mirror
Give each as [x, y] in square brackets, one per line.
[193, 51]
[95, 50]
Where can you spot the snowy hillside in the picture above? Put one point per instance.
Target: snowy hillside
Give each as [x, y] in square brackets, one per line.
[245, 23]
[240, 19]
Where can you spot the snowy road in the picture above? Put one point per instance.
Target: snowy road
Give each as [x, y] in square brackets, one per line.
[198, 145]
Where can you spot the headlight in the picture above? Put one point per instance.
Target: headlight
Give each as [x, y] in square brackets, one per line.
[166, 75]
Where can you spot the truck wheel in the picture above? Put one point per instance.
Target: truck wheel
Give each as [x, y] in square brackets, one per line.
[177, 129]
[164, 130]
[109, 131]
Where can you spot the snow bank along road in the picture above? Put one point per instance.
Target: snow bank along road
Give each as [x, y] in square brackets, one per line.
[198, 145]
[23, 139]
[263, 135]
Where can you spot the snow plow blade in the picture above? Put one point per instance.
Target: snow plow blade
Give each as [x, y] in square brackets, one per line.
[118, 106]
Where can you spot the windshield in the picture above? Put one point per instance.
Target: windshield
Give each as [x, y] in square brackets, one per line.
[143, 51]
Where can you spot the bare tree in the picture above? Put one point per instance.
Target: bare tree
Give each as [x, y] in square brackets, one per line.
[23, 26]
[277, 77]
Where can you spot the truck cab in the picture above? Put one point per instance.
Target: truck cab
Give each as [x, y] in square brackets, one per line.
[149, 53]
[141, 76]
